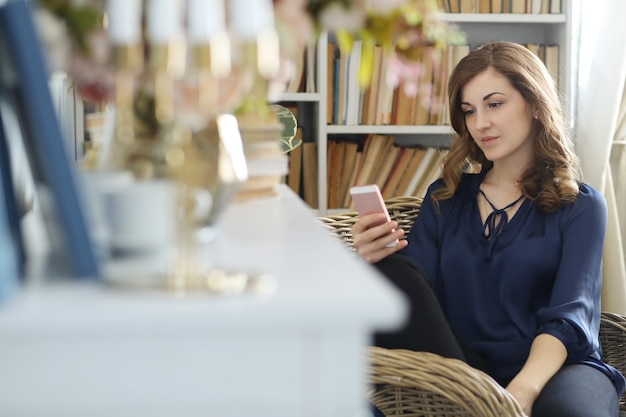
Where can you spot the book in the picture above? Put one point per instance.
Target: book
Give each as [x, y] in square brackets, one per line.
[536, 6]
[309, 173]
[353, 88]
[385, 95]
[379, 154]
[330, 169]
[370, 109]
[437, 98]
[484, 6]
[349, 164]
[336, 81]
[555, 6]
[363, 150]
[497, 6]
[467, 6]
[347, 201]
[534, 48]
[397, 172]
[309, 72]
[375, 149]
[434, 174]
[422, 101]
[551, 59]
[342, 87]
[404, 109]
[295, 83]
[421, 171]
[295, 169]
[387, 165]
[412, 173]
[43, 139]
[336, 151]
[331, 58]
[518, 6]
[386, 145]
[454, 54]
[454, 6]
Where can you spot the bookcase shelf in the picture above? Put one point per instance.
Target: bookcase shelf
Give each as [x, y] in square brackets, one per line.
[515, 18]
[389, 129]
[540, 29]
[299, 97]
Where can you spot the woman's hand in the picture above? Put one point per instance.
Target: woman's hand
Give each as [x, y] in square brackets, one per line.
[524, 394]
[547, 355]
[370, 237]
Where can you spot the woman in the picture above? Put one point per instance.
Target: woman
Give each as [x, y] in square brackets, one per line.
[512, 254]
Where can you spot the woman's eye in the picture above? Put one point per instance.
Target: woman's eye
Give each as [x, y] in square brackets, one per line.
[495, 104]
[468, 112]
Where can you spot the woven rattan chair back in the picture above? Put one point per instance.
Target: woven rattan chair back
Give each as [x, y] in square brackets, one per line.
[419, 384]
[404, 210]
[613, 340]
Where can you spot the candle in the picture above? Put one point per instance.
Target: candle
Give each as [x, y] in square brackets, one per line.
[205, 19]
[268, 54]
[163, 20]
[124, 21]
[250, 18]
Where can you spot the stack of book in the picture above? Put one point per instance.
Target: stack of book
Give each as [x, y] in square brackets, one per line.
[267, 164]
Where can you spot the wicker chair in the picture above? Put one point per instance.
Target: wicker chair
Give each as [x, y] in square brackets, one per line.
[416, 384]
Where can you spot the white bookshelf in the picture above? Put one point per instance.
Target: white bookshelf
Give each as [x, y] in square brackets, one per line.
[479, 28]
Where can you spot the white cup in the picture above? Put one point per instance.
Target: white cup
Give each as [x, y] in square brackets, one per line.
[140, 216]
[93, 184]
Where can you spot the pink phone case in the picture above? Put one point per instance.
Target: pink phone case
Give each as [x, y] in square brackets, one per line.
[368, 199]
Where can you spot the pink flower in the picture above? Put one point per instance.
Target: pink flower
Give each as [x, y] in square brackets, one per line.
[294, 25]
[335, 17]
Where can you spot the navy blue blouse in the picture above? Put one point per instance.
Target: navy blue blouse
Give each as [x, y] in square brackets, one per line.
[542, 274]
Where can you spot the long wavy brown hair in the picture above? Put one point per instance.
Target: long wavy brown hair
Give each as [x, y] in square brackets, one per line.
[552, 178]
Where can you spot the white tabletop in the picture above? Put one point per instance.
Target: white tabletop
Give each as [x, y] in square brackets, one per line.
[315, 275]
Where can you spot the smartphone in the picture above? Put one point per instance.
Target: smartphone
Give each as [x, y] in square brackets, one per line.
[368, 199]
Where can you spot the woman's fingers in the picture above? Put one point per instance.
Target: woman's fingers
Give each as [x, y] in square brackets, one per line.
[372, 238]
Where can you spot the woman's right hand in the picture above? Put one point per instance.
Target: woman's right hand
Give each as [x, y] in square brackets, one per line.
[371, 241]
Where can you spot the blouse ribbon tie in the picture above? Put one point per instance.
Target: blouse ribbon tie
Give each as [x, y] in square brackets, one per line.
[495, 222]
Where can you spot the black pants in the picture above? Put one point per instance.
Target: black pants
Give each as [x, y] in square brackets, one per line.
[575, 391]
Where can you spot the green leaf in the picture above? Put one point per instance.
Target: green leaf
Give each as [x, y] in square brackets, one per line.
[290, 125]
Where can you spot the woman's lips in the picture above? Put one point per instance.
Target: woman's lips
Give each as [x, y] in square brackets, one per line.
[488, 139]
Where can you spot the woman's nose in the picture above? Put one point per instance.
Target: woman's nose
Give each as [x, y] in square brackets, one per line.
[482, 120]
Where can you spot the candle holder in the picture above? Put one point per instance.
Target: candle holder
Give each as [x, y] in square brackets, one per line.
[172, 95]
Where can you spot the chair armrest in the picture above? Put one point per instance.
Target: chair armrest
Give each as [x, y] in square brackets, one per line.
[422, 383]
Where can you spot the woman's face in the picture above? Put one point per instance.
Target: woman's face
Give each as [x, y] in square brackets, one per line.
[498, 118]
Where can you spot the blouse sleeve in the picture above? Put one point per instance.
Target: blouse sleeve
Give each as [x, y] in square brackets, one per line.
[424, 237]
[573, 315]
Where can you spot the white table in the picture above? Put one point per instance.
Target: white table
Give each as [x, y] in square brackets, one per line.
[94, 350]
